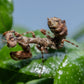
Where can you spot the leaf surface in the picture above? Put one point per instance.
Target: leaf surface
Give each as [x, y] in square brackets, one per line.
[6, 19]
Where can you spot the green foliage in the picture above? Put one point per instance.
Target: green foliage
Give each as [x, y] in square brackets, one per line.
[41, 81]
[6, 19]
[71, 70]
[64, 66]
[79, 34]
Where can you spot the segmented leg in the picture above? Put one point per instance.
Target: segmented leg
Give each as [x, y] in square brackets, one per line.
[41, 49]
[43, 31]
[44, 49]
[33, 34]
[62, 43]
[42, 61]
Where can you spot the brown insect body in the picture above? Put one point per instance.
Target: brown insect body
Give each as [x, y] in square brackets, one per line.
[13, 38]
[58, 27]
[19, 55]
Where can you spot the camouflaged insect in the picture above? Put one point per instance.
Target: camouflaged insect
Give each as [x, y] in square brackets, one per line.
[56, 26]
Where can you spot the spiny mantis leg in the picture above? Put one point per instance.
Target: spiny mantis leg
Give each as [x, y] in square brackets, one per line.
[43, 31]
[62, 43]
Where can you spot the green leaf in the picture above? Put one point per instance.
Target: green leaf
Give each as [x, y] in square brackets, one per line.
[71, 70]
[53, 66]
[41, 81]
[33, 66]
[13, 77]
[6, 19]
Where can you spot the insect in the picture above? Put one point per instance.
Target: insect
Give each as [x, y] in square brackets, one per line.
[56, 26]
[13, 38]
[59, 29]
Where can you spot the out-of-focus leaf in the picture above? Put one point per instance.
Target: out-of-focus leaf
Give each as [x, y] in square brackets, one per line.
[13, 77]
[20, 29]
[2, 41]
[41, 81]
[79, 33]
[6, 19]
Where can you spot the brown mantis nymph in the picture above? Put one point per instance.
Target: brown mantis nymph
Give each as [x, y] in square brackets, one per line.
[56, 26]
